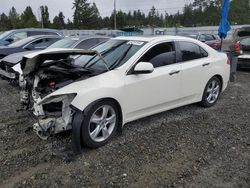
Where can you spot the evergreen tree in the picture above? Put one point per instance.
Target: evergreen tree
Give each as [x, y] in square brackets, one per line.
[239, 12]
[5, 23]
[69, 24]
[152, 17]
[14, 18]
[58, 21]
[85, 14]
[45, 16]
[187, 17]
[28, 18]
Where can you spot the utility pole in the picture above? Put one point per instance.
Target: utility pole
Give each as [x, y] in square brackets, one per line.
[114, 14]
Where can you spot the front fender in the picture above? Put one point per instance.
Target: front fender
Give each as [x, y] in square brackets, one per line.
[83, 99]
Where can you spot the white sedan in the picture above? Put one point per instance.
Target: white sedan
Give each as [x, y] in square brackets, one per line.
[122, 80]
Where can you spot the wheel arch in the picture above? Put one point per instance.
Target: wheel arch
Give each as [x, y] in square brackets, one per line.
[120, 124]
[220, 78]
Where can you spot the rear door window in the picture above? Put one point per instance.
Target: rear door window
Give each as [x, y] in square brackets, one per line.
[41, 43]
[205, 37]
[44, 43]
[209, 37]
[190, 51]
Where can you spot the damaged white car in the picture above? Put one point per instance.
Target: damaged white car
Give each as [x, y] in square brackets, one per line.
[119, 81]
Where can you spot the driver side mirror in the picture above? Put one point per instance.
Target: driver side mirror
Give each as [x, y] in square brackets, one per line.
[143, 68]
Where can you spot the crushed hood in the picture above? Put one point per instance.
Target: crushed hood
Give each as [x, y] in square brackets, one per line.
[32, 61]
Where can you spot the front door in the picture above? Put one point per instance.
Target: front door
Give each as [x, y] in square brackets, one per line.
[154, 92]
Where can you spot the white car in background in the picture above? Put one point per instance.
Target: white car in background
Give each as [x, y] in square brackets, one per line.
[122, 80]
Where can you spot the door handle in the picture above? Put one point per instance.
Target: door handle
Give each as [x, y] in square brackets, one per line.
[174, 72]
[205, 64]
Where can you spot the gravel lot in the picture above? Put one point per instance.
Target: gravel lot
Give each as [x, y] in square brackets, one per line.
[186, 147]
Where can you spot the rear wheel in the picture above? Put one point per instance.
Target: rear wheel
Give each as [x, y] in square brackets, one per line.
[99, 124]
[211, 92]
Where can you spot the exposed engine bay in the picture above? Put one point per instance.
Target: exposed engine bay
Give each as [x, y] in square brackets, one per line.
[55, 115]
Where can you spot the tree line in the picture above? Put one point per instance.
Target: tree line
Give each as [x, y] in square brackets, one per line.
[87, 16]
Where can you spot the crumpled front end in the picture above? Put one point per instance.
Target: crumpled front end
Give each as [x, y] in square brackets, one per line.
[54, 116]
[44, 73]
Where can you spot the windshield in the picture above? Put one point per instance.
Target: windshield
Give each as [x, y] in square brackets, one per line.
[114, 52]
[21, 42]
[64, 43]
[5, 34]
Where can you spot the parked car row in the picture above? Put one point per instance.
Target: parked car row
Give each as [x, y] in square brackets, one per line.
[210, 39]
[12, 36]
[94, 85]
[12, 54]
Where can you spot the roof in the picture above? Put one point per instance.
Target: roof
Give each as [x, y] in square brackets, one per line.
[87, 37]
[35, 29]
[152, 38]
[44, 36]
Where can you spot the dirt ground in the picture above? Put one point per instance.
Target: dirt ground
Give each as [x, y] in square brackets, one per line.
[186, 147]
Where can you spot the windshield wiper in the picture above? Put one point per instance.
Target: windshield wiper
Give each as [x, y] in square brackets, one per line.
[101, 55]
[118, 61]
[103, 60]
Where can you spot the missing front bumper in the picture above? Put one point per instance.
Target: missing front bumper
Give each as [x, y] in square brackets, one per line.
[51, 121]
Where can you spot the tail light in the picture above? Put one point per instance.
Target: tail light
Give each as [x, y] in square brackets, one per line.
[228, 62]
[237, 47]
[52, 84]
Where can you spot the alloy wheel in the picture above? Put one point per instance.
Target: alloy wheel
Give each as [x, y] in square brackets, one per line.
[102, 123]
[213, 91]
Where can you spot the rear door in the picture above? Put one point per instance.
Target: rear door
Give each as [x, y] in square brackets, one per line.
[194, 67]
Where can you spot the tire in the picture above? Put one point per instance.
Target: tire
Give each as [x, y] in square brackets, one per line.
[99, 124]
[211, 92]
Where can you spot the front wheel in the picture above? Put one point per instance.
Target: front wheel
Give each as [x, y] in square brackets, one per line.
[211, 92]
[99, 124]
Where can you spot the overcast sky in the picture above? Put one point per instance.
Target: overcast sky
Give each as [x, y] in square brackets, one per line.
[105, 6]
